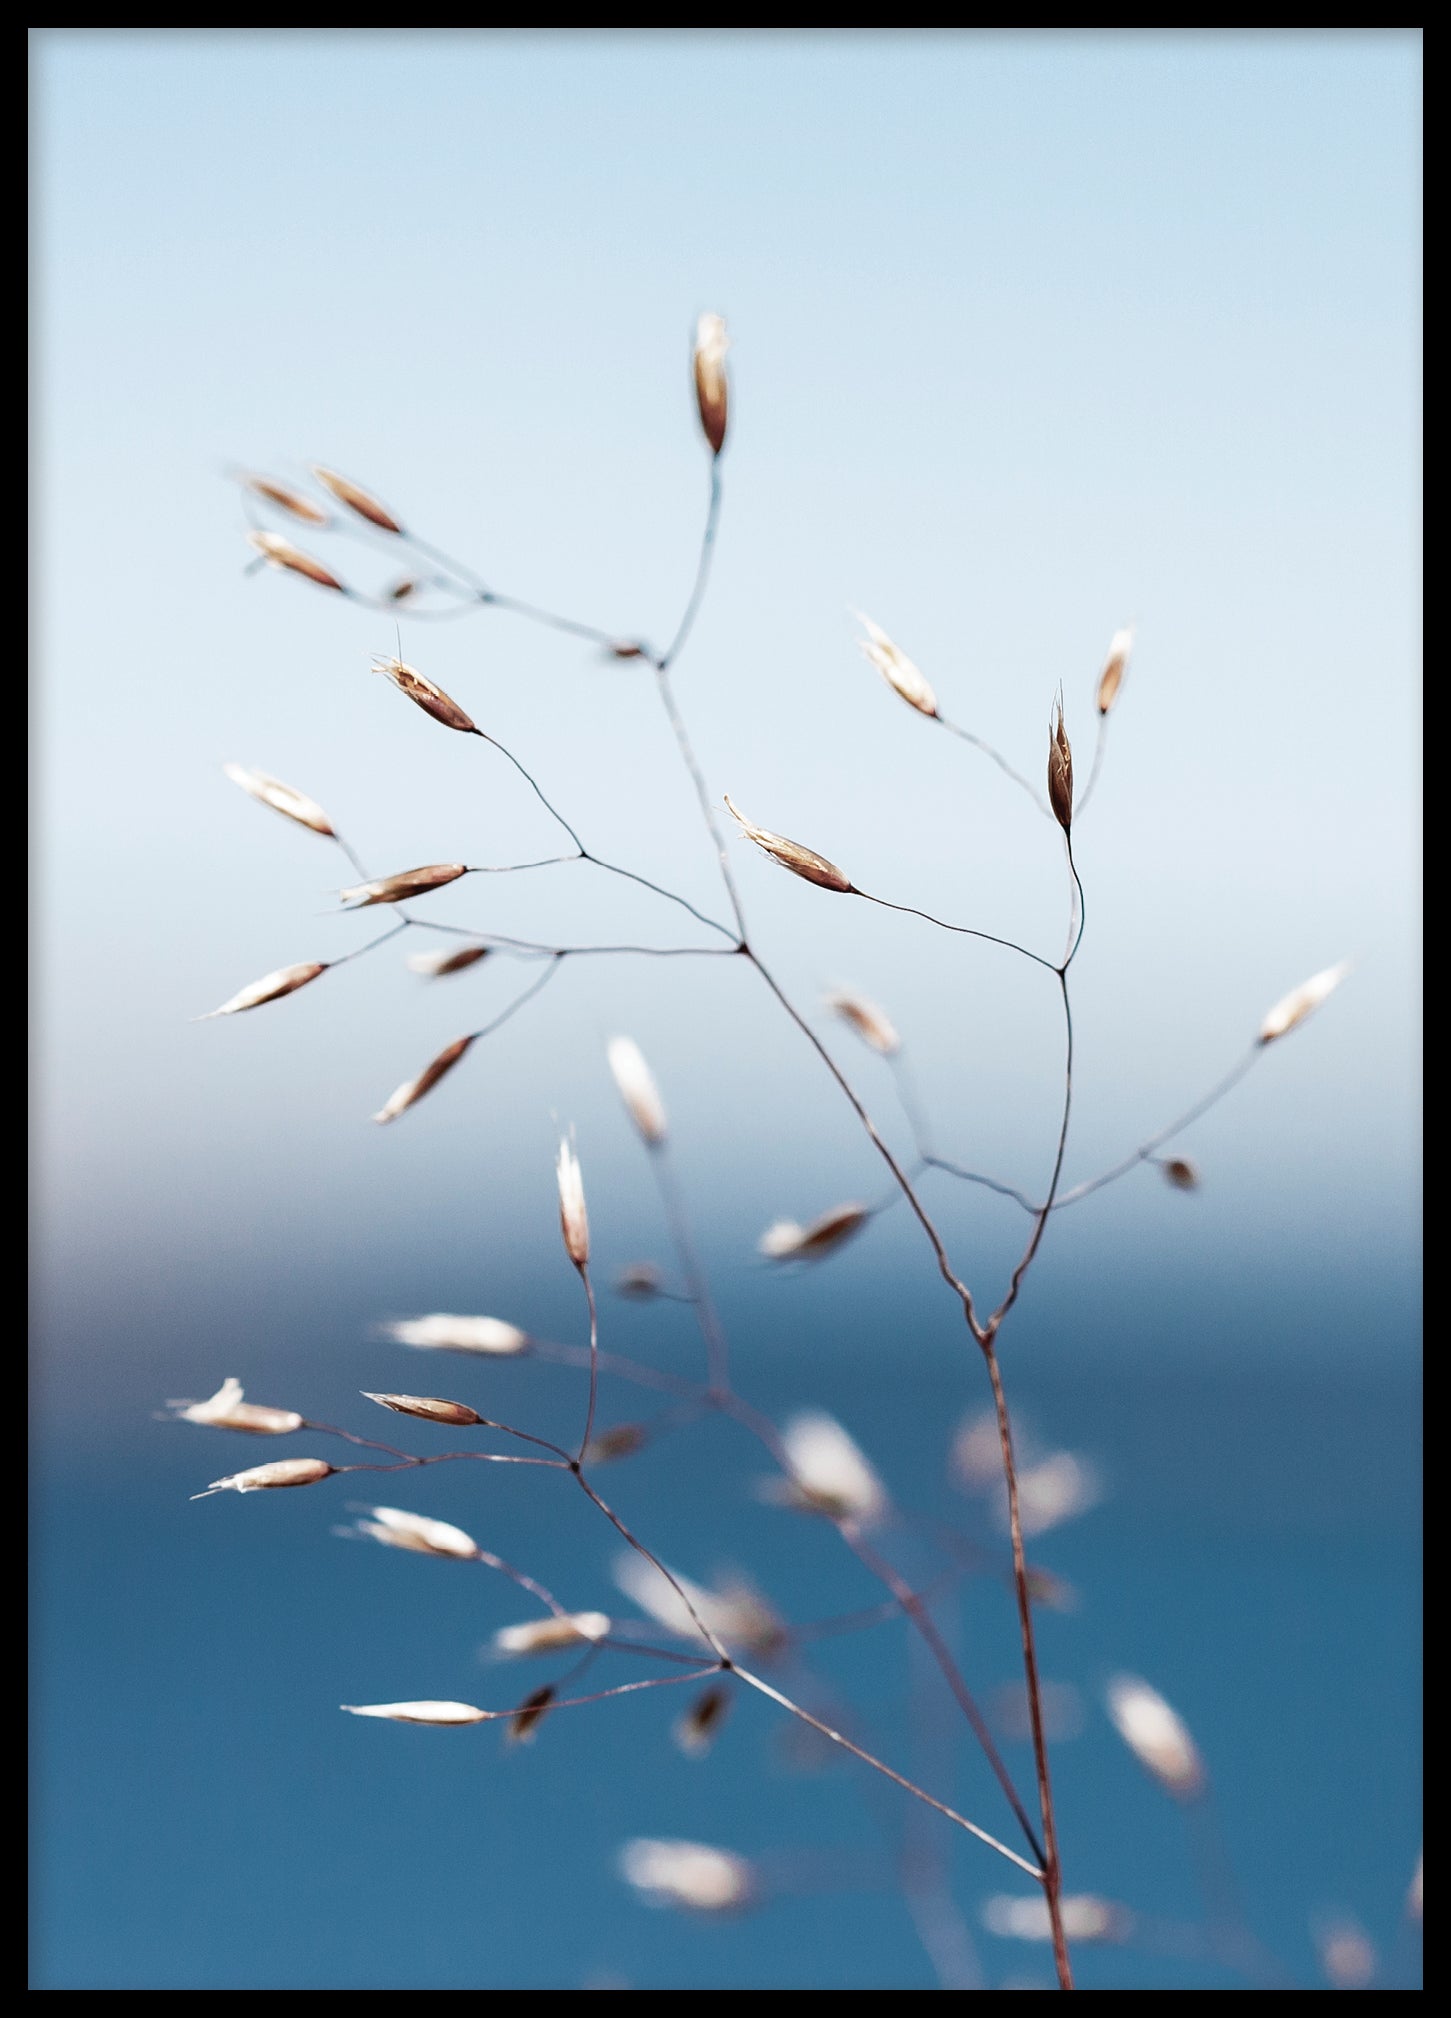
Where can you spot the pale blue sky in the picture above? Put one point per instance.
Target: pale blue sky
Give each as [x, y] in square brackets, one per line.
[1033, 335]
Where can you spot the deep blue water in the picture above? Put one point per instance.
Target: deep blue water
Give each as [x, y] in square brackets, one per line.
[204, 1817]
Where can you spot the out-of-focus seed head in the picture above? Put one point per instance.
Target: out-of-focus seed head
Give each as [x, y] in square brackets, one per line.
[282, 553]
[428, 1408]
[402, 590]
[442, 1331]
[1059, 1703]
[626, 648]
[573, 1219]
[356, 499]
[636, 1085]
[227, 1410]
[413, 1090]
[697, 1876]
[407, 883]
[286, 499]
[1047, 1588]
[1347, 1953]
[711, 385]
[1156, 1735]
[1181, 1173]
[523, 1727]
[440, 1714]
[870, 1023]
[399, 1530]
[1060, 771]
[1115, 665]
[443, 961]
[1414, 1892]
[424, 694]
[548, 1635]
[698, 1727]
[282, 799]
[791, 855]
[282, 981]
[895, 667]
[1085, 1918]
[622, 1440]
[1301, 1002]
[737, 1613]
[1055, 1490]
[786, 1241]
[829, 1474]
[287, 1471]
[639, 1280]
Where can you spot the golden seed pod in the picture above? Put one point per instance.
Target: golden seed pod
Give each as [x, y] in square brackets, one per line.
[1301, 1002]
[1060, 773]
[287, 499]
[711, 390]
[791, 855]
[437, 964]
[413, 1090]
[1181, 1173]
[282, 981]
[1115, 665]
[227, 1410]
[697, 1729]
[546, 1636]
[283, 554]
[433, 700]
[428, 1408]
[287, 1471]
[356, 499]
[416, 1532]
[440, 1714]
[293, 805]
[637, 1088]
[523, 1726]
[870, 1023]
[573, 1219]
[895, 667]
[786, 1241]
[407, 883]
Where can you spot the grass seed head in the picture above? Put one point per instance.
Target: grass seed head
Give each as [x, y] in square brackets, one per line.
[441, 1715]
[573, 1219]
[282, 799]
[428, 1408]
[424, 694]
[356, 499]
[895, 667]
[413, 1090]
[442, 1331]
[227, 1410]
[637, 1088]
[1060, 771]
[398, 1530]
[1115, 665]
[286, 499]
[791, 854]
[1156, 1735]
[1301, 1002]
[443, 961]
[786, 1241]
[281, 553]
[548, 1635]
[711, 387]
[697, 1876]
[287, 1471]
[407, 883]
[282, 981]
[870, 1023]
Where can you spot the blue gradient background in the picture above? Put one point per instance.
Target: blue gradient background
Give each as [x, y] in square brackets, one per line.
[1032, 336]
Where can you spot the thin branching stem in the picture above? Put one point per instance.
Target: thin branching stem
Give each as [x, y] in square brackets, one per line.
[966, 931]
[1002, 763]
